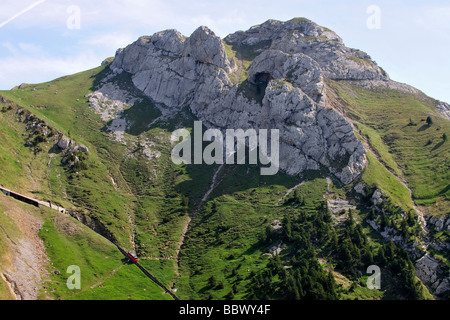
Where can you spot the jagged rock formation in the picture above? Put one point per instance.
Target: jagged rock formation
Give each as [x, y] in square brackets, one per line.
[284, 90]
[302, 36]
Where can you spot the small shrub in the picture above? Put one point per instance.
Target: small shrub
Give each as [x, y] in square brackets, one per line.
[412, 123]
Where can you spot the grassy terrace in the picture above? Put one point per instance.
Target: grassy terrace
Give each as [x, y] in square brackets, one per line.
[395, 126]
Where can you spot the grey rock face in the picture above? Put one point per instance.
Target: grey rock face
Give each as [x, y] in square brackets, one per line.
[109, 102]
[444, 109]
[273, 29]
[64, 143]
[169, 68]
[204, 46]
[302, 71]
[322, 45]
[440, 224]
[360, 188]
[428, 269]
[377, 197]
[285, 88]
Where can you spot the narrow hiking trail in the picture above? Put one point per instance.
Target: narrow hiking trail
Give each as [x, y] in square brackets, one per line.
[211, 189]
[368, 147]
[339, 105]
[289, 192]
[189, 218]
[120, 182]
[98, 284]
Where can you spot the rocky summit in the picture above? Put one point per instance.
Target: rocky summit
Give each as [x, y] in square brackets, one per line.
[285, 86]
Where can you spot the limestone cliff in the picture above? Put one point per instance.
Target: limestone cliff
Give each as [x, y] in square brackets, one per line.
[284, 89]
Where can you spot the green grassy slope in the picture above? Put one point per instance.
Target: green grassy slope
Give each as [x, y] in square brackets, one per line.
[62, 104]
[132, 197]
[395, 126]
[69, 243]
[225, 234]
[226, 254]
[56, 104]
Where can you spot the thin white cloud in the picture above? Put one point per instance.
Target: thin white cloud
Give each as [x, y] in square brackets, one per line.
[22, 49]
[54, 13]
[23, 11]
[11, 48]
[30, 49]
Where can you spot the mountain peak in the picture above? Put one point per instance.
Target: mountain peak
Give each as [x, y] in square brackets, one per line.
[300, 35]
[239, 86]
[204, 46]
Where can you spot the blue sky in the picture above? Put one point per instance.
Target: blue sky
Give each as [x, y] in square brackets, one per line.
[44, 39]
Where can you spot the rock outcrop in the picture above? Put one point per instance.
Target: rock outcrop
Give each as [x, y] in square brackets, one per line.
[284, 90]
[444, 109]
[430, 271]
[301, 35]
[110, 102]
[64, 143]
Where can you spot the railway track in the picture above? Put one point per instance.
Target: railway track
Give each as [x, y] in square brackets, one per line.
[39, 203]
[148, 274]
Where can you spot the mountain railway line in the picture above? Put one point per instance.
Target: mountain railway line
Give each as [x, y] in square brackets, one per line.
[148, 274]
[39, 203]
